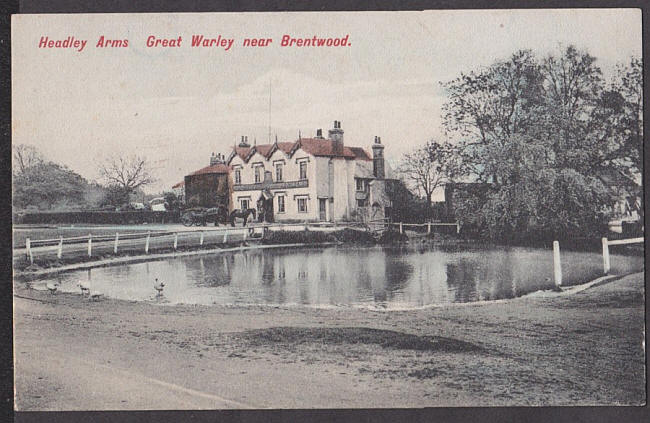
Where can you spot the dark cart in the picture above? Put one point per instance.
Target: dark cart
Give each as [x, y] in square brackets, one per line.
[201, 216]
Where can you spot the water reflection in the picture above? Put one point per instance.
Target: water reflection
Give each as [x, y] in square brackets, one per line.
[383, 277]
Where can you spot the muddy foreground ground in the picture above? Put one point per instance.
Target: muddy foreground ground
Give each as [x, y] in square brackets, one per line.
[581, 349]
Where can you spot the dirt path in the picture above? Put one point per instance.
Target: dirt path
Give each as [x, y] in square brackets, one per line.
[583, 349]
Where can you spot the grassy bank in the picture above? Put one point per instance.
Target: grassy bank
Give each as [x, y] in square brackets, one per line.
[581, 349]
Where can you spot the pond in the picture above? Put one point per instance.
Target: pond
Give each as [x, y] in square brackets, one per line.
[382, 277]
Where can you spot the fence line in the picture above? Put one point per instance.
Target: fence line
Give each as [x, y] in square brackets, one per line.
[95, 241]
[606, 243]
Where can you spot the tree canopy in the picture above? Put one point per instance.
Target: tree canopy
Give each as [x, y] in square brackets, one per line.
[548, 136]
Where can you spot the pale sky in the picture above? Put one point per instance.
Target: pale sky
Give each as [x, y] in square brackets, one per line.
[177, 105]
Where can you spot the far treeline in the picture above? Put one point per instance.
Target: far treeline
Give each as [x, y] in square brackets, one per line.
[540, 147]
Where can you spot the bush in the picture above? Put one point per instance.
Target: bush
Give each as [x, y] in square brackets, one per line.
[354, 236]
[392, 237]
[297, 237]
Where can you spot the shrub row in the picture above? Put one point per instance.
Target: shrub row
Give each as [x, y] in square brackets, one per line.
[101, 217]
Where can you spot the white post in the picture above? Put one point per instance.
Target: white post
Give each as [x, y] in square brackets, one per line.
[90, 245]
[401, 230]
[429, 227]
[28, 246]
[146, 243]
[175, 241]
[225, 235]
[606, 265]
[201, 240]
[117, 240]
[557, 265]
[457, 228]
[59, 253]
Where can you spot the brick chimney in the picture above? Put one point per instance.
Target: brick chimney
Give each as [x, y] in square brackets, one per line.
[319, 134]
[378, 167]
[217, 159]
[336, 135]
[244, 142]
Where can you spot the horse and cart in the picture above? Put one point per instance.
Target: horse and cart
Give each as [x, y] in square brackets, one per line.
[201, 216]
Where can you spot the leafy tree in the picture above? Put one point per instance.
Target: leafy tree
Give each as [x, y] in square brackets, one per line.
[540, 134]
[47, 184]
[115, 195]
[172, 202]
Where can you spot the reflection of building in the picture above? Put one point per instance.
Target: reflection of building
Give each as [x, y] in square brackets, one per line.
[311, 179]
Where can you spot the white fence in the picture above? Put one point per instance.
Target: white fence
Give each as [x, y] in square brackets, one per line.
[145, 241]
[557, 264]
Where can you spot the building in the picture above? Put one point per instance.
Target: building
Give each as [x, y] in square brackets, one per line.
[311, 179]
[179, 190]
[209, 186]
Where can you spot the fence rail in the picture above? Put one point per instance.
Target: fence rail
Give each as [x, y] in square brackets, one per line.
[145, 241]
[557, 264]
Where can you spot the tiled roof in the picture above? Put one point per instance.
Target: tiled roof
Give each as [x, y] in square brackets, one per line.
[315, 146]
[326, 148]
[179, 185]
[218, 168]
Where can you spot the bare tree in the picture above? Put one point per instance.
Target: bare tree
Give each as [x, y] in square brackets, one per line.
[427, 168]
[127, 173]
[24, 157]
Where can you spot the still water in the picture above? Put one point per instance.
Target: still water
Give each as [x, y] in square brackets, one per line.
[384, 277]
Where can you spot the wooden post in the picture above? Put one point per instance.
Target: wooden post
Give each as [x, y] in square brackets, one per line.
[28, 246]
[225, 235]
[606, 264]
[201, 240]
[90, 245]
[59, 253]
[175, 241]
[401, 230]
[146, 243]
[117, 240]
[557, 265]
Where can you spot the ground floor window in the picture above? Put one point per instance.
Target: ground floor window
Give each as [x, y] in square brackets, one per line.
[244, 203]
[302, 205]
[281, 204]
[362, 203]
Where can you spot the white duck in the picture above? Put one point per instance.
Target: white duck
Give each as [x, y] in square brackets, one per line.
[158, 286]
[85, 288]
[52, 287]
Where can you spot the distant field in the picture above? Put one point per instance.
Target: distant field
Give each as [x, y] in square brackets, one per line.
[21, 233]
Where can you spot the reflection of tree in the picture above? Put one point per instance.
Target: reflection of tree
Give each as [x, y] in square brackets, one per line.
[461, 278]
[268, 271]
[398, 272]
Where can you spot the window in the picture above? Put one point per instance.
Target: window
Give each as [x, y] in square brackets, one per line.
[258, 174]
[281, 208]
[303, 170]
[278, 172]
[302, 205]
[361, 186]
[237, 176]
[244, 203]
[362, 203]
